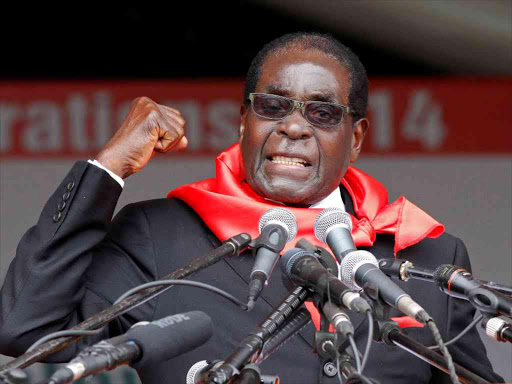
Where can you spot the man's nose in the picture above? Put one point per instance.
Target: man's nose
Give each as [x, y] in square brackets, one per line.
[295, 126]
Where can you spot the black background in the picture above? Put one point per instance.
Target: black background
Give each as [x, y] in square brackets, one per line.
[171, 40]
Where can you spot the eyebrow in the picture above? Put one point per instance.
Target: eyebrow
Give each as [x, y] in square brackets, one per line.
[276, 90]
[327, 96]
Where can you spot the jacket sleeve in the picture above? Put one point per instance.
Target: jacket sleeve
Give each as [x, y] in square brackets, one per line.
[45, 286]
[469, 351]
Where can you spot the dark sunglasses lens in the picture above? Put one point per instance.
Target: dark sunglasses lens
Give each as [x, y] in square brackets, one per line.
[271, 107]
[324, 114]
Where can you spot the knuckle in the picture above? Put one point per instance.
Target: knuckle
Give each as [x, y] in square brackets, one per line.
[179, 129]
[182, 121]
[152, 114]
[143, 101]
[171, 131]
[139, 100]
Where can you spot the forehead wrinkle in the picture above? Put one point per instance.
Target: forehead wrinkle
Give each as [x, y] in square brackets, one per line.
[327, 96]
[277, 89]
[316, 95]
[291, 83]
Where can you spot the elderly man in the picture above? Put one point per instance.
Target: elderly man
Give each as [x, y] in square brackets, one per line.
[302, 123]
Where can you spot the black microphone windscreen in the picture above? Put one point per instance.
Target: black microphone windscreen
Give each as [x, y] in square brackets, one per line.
[171, 336]
[325, 257]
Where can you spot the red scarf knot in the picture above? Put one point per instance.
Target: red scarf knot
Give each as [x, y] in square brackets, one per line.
[363, 232]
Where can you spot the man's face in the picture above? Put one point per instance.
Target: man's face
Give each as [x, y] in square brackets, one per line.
[271, 149]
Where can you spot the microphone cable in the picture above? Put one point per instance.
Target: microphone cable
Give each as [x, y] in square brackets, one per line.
[196, 284]
[359, 377]
[130, 292]
[463, 333]
[57, 334]
[447, 356]
[369, 316]
[369, 341]
[356, 353]
[356, 377]
[435, 332]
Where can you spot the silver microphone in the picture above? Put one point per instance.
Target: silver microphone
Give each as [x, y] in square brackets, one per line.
[361, 267]
[333, 226]
[277, 227]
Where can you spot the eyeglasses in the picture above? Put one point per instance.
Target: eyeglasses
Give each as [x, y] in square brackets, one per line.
[318, 113]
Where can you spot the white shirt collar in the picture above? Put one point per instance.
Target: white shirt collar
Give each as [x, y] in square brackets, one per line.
[334, 200]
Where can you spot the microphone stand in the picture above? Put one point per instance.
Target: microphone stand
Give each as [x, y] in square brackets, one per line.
[298, 320]
[231, 247]
[250, 348]
[290, 327]
[250, 374]
[333, 346]
[405, 270]
[390, 333]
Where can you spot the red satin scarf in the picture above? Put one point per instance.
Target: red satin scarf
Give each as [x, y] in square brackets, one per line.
[228, 206]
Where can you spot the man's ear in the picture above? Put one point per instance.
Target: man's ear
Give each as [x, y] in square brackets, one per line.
[360, 128]
[243, 113]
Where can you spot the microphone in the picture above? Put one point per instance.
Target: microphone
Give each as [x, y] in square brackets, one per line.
[405, 270]
[157, 341]
[359, 268]
[333, 227]
[303, 268]
[277, 227]
[457, 282]
[498, 329]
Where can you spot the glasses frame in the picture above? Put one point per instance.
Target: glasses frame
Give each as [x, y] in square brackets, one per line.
[301, 105]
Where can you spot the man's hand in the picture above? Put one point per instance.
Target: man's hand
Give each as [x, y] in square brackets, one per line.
[149, 127]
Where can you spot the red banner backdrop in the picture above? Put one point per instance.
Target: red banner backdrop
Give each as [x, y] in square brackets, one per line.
[407, 116]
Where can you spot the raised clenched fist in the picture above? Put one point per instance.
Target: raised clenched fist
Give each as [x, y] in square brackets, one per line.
[149, 127]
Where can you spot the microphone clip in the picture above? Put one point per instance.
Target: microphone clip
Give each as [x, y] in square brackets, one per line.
[327, 343]
[239, 243]
[268, 239]
[379, 307]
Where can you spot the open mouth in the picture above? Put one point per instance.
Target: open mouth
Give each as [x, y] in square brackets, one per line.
[295, 161]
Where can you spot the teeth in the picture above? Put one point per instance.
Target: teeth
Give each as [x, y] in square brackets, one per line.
[289, 161]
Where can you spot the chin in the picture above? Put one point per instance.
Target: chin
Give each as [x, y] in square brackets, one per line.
[288, 195]
[290, 201]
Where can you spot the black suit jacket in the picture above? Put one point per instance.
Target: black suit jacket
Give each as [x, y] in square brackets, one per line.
[76, 262]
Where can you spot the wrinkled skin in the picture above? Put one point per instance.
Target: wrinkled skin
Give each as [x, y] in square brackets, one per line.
[300, 75]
